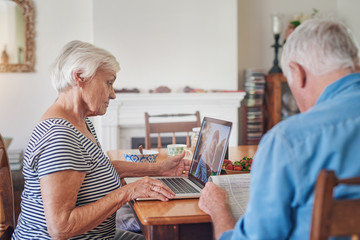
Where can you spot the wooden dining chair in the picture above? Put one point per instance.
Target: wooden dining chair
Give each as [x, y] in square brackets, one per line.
[334, 217]
[7, 213]
[169, 126]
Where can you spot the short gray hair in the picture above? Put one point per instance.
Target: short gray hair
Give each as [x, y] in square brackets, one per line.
[77, 56]
[321, 46]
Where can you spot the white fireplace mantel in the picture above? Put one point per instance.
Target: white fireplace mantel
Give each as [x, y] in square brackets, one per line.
[125, 115]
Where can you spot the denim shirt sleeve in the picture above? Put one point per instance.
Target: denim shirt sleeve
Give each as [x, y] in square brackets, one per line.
[269, 213]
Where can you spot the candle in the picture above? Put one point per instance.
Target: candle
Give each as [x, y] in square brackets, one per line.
[276, 25]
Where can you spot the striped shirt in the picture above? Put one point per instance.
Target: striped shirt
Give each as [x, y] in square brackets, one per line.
[56, 145]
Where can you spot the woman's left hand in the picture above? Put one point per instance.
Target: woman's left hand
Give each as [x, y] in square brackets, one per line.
[175, 166]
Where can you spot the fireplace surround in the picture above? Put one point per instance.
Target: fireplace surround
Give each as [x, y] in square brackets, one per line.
[125, 120]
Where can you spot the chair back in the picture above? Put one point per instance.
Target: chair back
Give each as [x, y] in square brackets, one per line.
[334, 217]
[170, 126]
[7, 214]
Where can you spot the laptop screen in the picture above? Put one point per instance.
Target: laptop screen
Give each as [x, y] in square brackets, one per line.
[210, 148]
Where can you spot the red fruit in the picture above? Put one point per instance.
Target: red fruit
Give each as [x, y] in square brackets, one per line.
[237, 168]
[229, 166]
[227, 161]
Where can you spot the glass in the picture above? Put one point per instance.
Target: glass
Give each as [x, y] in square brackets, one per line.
[194, 138]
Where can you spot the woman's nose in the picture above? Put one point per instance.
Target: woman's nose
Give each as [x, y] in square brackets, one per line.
[112, 94]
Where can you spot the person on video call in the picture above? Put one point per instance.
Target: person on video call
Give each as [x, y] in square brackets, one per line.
[203, 170]
[320, 61]
[72, 190]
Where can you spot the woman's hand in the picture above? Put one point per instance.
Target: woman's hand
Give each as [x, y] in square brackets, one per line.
[148, 188]
[175, 166]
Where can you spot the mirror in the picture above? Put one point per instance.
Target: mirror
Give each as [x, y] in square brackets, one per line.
[17, 36]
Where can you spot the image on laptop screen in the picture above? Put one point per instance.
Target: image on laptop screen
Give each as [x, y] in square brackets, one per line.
[211, 148]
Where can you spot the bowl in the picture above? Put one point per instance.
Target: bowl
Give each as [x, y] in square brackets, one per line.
[235, 172]
[135, 156]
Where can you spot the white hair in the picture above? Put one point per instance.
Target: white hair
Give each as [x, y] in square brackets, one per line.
[77, 56]
[321, 46]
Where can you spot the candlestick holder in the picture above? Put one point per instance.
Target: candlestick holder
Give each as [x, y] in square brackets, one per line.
[276, 68]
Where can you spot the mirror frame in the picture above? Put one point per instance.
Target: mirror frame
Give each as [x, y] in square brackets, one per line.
[29, 16]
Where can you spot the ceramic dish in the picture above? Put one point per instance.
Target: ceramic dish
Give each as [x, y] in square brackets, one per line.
[135, 156]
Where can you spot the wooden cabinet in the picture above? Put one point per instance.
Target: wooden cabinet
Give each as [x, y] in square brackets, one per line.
[273, 94]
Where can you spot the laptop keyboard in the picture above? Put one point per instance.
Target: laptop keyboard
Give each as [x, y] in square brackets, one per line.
[179, 185]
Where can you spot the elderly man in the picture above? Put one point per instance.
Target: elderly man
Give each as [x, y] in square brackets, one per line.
[320, 61]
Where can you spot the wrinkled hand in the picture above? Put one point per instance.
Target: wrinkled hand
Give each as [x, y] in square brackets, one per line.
[149, 188]
[213, 199]
[175, 166]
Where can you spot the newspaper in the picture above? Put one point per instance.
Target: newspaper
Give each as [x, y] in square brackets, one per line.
[238, 187]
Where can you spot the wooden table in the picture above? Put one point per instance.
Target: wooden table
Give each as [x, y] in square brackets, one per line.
[181, 218]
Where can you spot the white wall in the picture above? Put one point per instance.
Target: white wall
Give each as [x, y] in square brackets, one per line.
[255, 26]
[349, 11]
[170, 42]
[25, 96]
[143, 34]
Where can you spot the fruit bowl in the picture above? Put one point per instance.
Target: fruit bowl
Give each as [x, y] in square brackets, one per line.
[235, 172]
[242, 166]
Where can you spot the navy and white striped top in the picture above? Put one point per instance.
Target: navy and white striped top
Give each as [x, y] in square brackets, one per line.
[55, 145]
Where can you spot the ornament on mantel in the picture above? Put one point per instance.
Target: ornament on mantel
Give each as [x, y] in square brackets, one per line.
[4, 57]
[161, 89]
[127, 90]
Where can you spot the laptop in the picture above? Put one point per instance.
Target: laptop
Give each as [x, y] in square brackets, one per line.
[207, 160]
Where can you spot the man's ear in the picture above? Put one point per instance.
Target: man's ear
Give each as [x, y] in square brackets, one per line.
[298, 74]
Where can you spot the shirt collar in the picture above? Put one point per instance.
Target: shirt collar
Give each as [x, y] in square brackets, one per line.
[343, 84]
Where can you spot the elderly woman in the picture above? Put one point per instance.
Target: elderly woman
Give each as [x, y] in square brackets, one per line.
[71, 188]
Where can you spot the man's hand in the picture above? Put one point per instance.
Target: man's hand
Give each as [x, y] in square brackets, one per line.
[214, 201]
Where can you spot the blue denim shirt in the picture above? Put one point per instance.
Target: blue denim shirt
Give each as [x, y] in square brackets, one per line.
[289, 158]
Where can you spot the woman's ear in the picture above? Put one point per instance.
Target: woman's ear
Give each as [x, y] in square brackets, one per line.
[77, 77]
[298, 74]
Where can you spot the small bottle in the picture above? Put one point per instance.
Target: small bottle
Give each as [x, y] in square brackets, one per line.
[194, 138]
